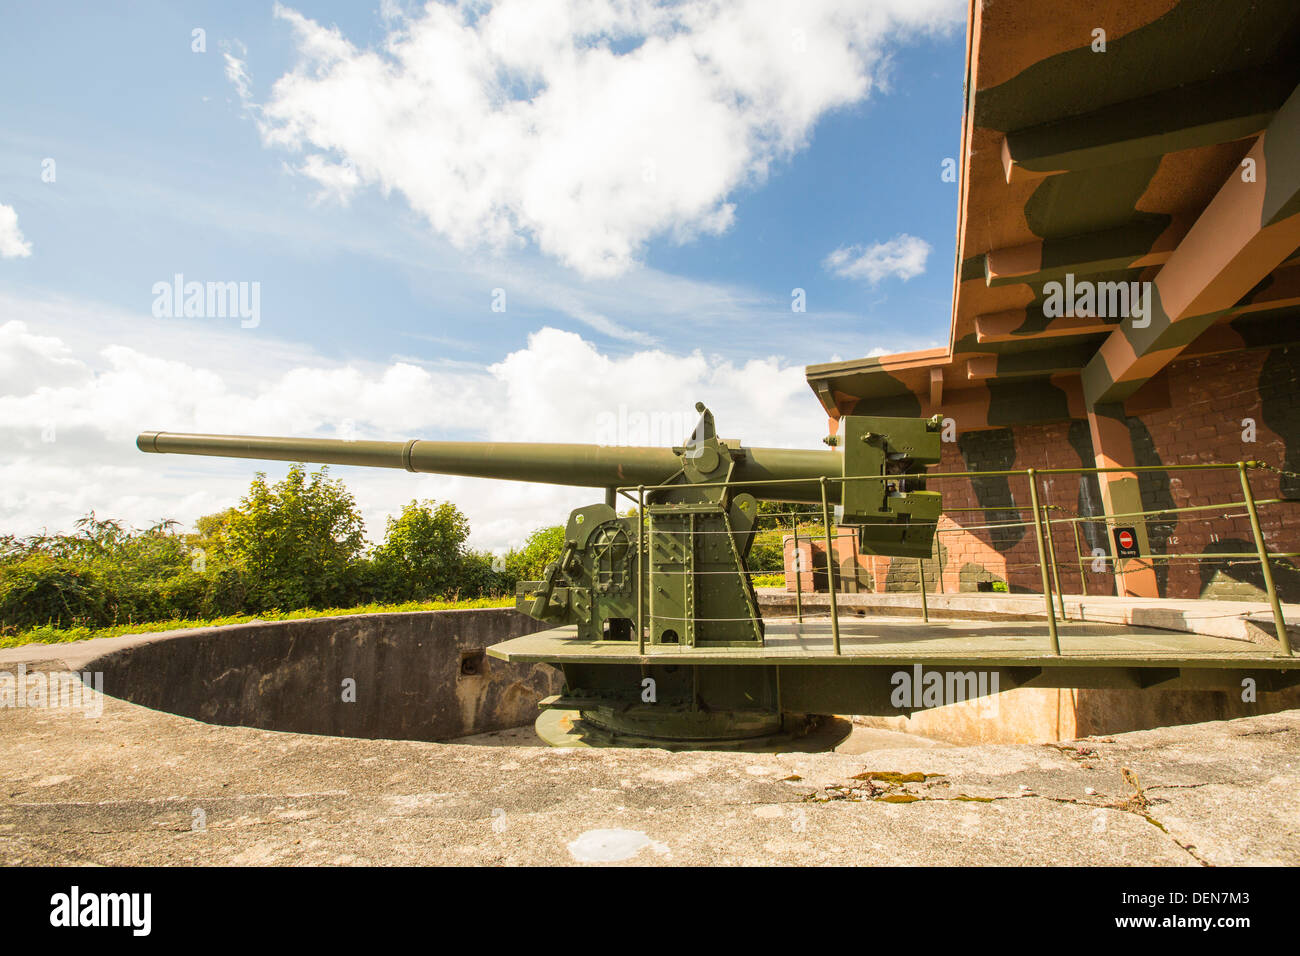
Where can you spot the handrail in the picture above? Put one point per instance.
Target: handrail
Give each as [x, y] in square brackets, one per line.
[1042, 523]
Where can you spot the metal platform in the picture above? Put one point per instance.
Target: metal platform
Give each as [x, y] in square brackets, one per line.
[887, 641]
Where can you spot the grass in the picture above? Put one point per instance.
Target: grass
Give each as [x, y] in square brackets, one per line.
[49, 634]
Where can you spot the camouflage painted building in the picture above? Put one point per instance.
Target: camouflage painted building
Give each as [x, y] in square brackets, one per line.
[1126, 293]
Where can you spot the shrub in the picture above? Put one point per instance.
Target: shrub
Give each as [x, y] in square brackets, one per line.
[541, 548]
[421, 556]
[40, 589]
[295, 540]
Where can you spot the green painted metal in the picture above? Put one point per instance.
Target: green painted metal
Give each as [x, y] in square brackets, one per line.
[920, 576]
[1078, 550]
[872, 641]
[1042, 560]
[798, 572]
[588, 466]
[674, 574]
[1051, 557]
[830, 569]
[1279, 621]
[896, 516]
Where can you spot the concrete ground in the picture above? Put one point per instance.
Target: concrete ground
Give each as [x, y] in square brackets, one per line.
[136, 786]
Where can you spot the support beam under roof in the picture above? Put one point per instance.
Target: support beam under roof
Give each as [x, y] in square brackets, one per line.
[1015, 325]
[1218, 110]
[1250, 227]
[1036, 364]
[1131, 246]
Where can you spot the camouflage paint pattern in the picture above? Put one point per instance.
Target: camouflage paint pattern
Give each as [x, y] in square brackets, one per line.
[1117, 166]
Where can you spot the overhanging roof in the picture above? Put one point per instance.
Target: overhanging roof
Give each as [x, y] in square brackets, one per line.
[1106, 166]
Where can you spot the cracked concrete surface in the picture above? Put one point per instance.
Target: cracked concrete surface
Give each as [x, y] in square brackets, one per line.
[136, 786]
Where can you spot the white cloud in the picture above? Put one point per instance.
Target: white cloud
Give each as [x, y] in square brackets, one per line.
[28, 361]
[237, 73]
[902, 257]
[586, 126]
[12, 243]
[69, 418]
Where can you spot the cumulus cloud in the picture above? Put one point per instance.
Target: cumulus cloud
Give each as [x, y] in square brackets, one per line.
[12, 243]
[587, 127]
[902, 257]
[69, 418]
[28, 360]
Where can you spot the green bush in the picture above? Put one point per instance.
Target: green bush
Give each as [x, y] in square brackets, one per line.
[541, 548]
[483, 574]
[295, 540]
[422, 553]
[40, 589]
[295, 544]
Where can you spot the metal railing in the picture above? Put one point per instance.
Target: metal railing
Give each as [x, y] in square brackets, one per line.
[1042, 532]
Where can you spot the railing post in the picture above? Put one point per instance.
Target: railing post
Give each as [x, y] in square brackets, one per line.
[1078, 553]
[1042, 561]
[1283, 638]
[830, 570]
[920, 574]
[798, 570]
[641, 569]
[1051, 556]
[938, 558]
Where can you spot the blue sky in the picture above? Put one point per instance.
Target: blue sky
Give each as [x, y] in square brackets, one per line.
[172, 161]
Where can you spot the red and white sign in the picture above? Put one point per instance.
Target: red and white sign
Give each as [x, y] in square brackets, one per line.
[1126, 543]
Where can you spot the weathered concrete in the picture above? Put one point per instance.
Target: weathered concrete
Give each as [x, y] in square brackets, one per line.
[1042, 715]
[138, 786]
[421, 675]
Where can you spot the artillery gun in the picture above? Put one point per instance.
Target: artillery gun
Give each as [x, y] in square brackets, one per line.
[655, 622]
[656, 625]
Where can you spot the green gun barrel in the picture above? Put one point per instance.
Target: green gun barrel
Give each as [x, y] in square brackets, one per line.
[588, 466]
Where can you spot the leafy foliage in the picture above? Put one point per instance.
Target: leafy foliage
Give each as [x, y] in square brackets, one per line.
[424, 550]
[541, 548]
[295, 540]
[48, 634]
[296, 544]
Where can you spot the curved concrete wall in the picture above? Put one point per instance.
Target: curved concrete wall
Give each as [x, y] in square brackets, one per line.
[421, 675]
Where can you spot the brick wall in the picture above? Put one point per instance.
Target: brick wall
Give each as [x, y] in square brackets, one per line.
[1194, 413]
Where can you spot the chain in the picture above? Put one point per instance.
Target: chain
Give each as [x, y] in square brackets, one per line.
[1275, 469]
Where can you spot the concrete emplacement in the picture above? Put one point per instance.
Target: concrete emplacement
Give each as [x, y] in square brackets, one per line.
[429, 676]
[124, 784]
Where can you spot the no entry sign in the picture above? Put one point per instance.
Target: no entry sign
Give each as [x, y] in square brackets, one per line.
[1126, 543]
